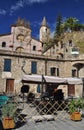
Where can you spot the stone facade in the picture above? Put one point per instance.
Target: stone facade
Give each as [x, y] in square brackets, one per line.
[25, 55]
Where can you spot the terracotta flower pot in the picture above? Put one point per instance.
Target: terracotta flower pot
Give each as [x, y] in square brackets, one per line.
[8, 123]
[76, 116]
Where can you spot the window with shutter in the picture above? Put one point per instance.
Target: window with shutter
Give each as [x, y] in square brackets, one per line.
[33, 67]
[7, 65]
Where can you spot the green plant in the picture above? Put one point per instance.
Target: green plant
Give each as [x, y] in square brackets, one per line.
[76, 105]
[9, 109]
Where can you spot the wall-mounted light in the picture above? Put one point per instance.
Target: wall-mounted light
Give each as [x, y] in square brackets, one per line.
[23, 64]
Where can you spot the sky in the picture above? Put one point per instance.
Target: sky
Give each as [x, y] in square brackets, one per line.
[33, 11]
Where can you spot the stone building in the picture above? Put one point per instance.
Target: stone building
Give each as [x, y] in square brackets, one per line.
[21, 54]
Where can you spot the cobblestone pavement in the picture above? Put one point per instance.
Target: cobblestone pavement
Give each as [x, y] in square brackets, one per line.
[59, 124]
[28, 118]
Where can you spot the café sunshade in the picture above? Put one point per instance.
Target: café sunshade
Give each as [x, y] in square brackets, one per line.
[50, 79]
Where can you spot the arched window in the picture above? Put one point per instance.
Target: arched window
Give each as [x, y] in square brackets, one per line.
[3, 44]
[20, 49]
[70, 42]
[34, 48]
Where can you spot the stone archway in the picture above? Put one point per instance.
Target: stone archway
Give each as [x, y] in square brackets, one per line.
[25, 89]
[80, 69]
[80, 73]
[78, 65]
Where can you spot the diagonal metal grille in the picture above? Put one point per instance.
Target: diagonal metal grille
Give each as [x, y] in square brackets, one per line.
[39, 109]
[43, 111]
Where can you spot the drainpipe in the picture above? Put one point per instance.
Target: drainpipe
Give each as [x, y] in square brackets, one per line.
[83, 88]
[45, 66]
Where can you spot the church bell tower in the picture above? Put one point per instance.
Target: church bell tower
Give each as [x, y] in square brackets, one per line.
[44, 31]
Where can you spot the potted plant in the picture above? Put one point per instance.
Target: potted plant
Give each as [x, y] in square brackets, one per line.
[8, 113]
[75, 107]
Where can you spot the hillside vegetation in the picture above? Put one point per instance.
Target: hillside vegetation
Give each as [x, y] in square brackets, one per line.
[77, 38]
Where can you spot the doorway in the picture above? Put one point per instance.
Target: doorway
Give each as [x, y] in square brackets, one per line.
[9, 85]
[71, 90]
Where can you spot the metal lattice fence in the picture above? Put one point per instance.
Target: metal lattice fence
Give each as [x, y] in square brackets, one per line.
[30, 111]
[38, 110]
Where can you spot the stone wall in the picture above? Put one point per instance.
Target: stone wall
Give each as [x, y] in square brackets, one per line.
[43, 67]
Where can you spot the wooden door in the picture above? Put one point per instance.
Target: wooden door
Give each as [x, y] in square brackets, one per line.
[9, 85]
[71, 90]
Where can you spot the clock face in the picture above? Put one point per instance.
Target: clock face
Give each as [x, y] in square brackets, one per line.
[20, 37]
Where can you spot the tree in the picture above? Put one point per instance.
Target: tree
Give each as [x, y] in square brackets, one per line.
[72, 24]
[59, 29]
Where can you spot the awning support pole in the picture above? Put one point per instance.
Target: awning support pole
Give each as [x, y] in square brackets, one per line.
[42, 85]
[83, 88]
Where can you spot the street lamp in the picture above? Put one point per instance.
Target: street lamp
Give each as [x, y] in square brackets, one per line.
[23, 64]
[22, 67]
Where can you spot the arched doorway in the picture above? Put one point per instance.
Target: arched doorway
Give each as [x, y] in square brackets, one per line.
[25, 89]
[79, 67]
